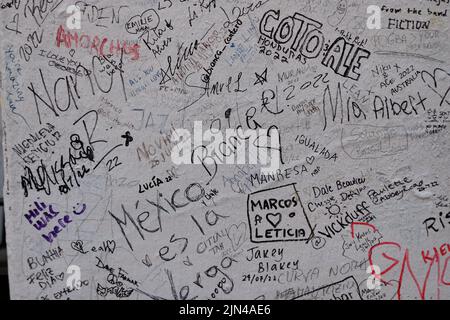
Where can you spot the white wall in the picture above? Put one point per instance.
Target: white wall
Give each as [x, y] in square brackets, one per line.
[364, 179]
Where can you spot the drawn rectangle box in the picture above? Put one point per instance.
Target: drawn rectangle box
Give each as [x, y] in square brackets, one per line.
[277, 215]
[372, 142]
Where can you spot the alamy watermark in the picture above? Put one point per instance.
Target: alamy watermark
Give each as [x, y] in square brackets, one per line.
[74, 20]
[73, 281]
[374, 280]
[212, 147]
[374, 20]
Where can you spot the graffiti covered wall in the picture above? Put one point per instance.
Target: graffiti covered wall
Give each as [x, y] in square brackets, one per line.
[169, 149]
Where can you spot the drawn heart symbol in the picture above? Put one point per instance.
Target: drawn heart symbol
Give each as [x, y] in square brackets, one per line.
[14, 21]
[60, 276]
[337, 49]
[150, 17]
[236, 234]
[274, 219]
[146, 261]
[389, 288]
[78, 246]
[111, 245]
[434, 77]
[439, 84]
[310, 160]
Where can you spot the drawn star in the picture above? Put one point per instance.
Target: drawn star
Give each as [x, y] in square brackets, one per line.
[261, 78]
